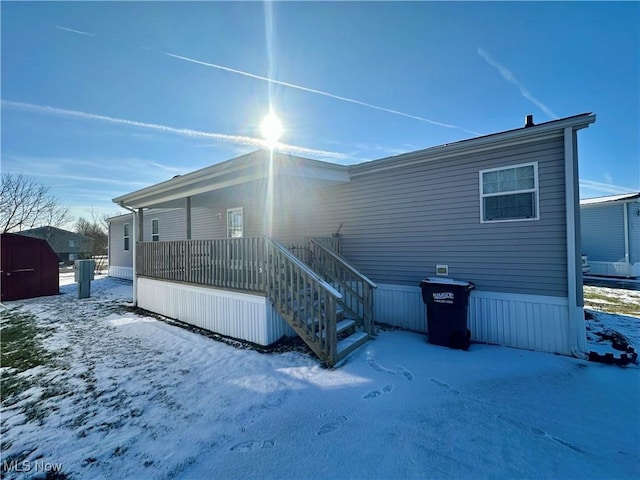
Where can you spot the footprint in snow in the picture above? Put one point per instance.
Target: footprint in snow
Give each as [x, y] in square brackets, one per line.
[379, 368]
[379, 392]
[251, 445]
[405, 373]
[446, 386]
[332, 426]
[540, 433]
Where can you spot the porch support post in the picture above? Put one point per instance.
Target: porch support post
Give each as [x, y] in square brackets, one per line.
[140, 226]
[135, 252]
[188, 208]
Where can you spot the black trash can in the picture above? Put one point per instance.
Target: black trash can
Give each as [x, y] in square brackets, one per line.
[447, 301]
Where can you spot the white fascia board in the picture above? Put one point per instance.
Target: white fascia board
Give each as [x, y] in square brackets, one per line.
[554, 129]
[240, 170]
[165, 197]
[118, 218]
[138, 198]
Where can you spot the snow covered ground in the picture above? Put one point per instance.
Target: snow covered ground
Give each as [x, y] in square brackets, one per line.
[117, 395]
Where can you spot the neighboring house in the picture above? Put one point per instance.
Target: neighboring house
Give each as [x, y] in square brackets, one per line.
[611, 234]
[501, 211]
[69, 246]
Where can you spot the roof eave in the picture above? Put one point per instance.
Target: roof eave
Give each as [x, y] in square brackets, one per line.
[237, 171]
[486, 142]
[622, 198]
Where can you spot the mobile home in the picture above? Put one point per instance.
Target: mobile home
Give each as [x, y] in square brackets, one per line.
[268, 244]
[611, 234]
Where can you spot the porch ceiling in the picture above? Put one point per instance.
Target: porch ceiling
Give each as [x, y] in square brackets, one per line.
[237, 171]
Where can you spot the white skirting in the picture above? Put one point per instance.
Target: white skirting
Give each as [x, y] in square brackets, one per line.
[400, 306]
[233, 314]
[614, 269]
[121, 272]
[533, 322]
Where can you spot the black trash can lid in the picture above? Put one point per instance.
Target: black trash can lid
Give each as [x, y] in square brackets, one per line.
[445, 281]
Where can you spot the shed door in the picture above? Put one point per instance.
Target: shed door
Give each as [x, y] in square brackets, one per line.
[21, 272]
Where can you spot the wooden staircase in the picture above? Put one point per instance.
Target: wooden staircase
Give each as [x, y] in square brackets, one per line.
[331, 313]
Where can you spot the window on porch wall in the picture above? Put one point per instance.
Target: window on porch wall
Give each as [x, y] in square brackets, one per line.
[155, 230]
[235, 228]
[126, 236]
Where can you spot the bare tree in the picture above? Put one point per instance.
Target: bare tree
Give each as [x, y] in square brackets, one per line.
[25, 204]
[97, 229]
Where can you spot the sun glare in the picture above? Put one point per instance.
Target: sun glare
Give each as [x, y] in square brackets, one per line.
[271, 129]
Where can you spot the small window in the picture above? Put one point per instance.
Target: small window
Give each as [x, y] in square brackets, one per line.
[235, 227]
[126, 236]
[72, 243]
[509, 194]
[155, 230]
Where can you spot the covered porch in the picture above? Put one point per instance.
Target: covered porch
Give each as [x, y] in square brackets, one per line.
[258, 290]
[225, 265]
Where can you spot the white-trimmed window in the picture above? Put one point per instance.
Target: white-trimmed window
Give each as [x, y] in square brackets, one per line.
[509, 193]
[126, 236]
[235, 223]
[155, 230]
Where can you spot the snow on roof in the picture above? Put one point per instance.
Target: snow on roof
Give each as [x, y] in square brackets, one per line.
[610, 198]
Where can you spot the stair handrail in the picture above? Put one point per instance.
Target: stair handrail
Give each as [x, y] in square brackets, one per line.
[307, 302]
[357, 301]
[343, 261]
[302, 266]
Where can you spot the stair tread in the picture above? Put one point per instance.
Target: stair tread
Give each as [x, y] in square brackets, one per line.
[350, 340]
[344, 325]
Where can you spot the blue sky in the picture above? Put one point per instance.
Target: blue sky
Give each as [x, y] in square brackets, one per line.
[100, 99]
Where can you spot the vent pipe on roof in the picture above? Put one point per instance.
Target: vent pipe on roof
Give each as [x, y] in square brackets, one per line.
[528, 121]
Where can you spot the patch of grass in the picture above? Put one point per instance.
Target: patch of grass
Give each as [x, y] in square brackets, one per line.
[610, 301]
[21, 350]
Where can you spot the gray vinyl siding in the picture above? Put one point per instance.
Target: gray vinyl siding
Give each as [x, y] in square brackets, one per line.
[205, 223]
[603, 232]
[172, 224]
[118, 256]
[306, 209]
[400, 223]
[300, 209]
[209, 212]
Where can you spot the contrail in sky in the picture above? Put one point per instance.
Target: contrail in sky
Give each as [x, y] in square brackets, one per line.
[310, 90]
[183, 132]
[79, 32]
[509, 77]
[292, 85]
[605, 187]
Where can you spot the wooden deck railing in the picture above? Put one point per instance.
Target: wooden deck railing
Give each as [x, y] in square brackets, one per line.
[307, 300]
[303, 298]
[333, 243]
[355, 287]
[228, 263]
